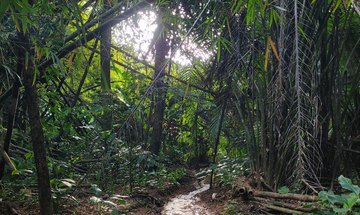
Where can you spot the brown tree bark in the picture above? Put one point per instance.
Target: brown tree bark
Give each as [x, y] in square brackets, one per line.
[160, 89]
[105, 41]
[36, 131]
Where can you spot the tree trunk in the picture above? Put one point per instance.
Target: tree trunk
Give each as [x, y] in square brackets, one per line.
[217, 140]
[10, 124]
[36, 132]
[160, 88]
[105, 42]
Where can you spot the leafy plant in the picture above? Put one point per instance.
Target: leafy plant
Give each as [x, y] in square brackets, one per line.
[228, 169]
[344, 203]
[283, 189]
[231, 208]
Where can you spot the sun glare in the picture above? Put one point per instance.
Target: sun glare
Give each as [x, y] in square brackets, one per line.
[138, 32]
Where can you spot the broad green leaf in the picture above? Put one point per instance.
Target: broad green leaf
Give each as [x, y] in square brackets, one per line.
[336, 199]
[340, 210]
[348, 185]
[331, 197]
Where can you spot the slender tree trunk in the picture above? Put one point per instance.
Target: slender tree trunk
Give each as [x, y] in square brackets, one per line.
[217, 140]
[12, 107]
[36, 132]
[160, 88]
[105, 57]
[82, 81]
[10, 124]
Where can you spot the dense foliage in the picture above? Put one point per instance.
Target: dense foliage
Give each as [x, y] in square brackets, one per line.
[269, 88]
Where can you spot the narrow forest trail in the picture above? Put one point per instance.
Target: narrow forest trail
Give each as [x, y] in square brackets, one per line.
[186, 199]
[185, 204]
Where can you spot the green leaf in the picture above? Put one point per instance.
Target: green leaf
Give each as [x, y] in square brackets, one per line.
[250, 15]
[331, 197]
[352, 199]
[283, 190]
[336, 5]
[348, 185]
[29, 155]
[340, 210]
[4, 5]
[236, 6]
[15, 172]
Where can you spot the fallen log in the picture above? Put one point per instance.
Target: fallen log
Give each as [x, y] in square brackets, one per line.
[299, 197]
[291, 206]
[282, 210]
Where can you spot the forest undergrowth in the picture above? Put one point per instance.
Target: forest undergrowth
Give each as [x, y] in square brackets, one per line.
[125, 107]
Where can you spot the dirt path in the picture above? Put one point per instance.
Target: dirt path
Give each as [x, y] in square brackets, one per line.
[186, 204]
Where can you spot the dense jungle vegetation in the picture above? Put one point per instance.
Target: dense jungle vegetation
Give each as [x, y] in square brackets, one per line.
[103, 97]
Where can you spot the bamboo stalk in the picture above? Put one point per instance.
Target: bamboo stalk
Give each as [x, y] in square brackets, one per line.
[305, 198]
[292, 206]
[283, 210]
[8, 160]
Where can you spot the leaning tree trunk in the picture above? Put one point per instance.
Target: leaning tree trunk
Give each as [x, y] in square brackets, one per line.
[161, 50]
[36, 131]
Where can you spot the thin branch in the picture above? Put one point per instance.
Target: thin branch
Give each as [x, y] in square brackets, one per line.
[82, 81]
[150, 78]
[92, 34]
